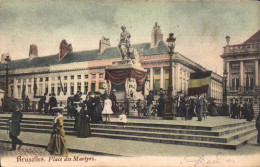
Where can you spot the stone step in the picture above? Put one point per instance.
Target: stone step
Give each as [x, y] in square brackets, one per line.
[70, 131]
[160, 125]
[219, 132]
[231, 145]
[234, 144]
[109, 127]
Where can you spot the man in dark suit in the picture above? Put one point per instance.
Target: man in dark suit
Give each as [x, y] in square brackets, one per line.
[53, 103]
[14, 128]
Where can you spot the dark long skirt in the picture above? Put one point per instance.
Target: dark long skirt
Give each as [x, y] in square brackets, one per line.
[84, 128]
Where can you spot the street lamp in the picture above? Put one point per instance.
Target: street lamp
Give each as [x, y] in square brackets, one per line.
[228, 39]
[5, 105]
[225, 74]
[168, 112]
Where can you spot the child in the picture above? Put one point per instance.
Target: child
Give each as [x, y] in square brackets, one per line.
[122, 119]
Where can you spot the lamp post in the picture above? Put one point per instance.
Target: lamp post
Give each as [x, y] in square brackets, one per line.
[5, 105]
[168, 111]
[228, 39]
[225, 74]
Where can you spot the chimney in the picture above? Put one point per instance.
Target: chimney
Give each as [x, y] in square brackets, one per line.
[64, 49]
[104, 43]
[33, 51]
[157, 36]
[4, 55]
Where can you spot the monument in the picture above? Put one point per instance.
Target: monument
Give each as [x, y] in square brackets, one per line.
[127, 76]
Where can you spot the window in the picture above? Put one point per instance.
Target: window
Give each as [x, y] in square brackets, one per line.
[93, 87]
[58, 78]
[79, 86]
[85, 87]
[235, 84]
[72, 77]
[100, 85]
[157, 71]
[101, 75]
[65, 88]
[47, 79]
[86, 76]
[93, 76]
[157, 84]
[19, 81]
[249, 83]
[65, 77]
[79, 77]
[52, 88]
[29, 89]
[30, 79]
[72, 88]
[41, 79]
[58, 91]
[46, 88]
[19, 90]
[166, 71]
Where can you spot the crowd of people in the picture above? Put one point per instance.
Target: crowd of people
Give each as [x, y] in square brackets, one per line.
[242, 111]
[96, 106]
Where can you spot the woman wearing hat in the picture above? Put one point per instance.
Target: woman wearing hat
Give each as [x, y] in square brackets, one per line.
[57, 144]
[83, 126]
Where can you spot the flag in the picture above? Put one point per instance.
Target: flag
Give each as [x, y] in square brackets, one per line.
[199, 83]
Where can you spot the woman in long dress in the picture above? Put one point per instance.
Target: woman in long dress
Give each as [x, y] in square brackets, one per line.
[57, 144]
[84, 127]
[107, 109]
[77, 116]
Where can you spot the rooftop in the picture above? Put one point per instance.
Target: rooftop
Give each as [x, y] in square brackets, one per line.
[82, 56]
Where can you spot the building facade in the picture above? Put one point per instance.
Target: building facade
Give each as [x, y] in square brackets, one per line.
[84, 71]
[241, 63]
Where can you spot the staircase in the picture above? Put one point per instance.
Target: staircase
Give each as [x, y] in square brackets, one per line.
[228, 136]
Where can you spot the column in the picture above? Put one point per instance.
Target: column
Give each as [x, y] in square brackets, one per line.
[177, 73]
[38, 85]
[26, 87]
[89, 82]
[228, 74]
[162, 78]
[82, 83]
[56, 85]
[68, 85]
[256, 73]
[75, 84]
[49, 84]
[15, 88]
[151, 78]
[241, 73]
[97, 82]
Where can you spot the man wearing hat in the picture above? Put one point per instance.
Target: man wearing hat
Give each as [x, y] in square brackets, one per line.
[14, 128]
[112, 97]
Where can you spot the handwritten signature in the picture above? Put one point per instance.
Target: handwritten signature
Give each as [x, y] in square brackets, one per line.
[202, 160]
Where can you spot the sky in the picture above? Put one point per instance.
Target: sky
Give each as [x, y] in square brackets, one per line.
[199, 26]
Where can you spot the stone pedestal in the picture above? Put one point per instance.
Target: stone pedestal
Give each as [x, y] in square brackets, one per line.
[127, 89]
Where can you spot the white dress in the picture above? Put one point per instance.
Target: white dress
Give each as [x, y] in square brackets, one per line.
[107, 107]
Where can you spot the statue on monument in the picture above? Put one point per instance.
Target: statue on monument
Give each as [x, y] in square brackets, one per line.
[124, 44]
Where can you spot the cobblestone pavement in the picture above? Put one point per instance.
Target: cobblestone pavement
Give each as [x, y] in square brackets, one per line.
[26, 151]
